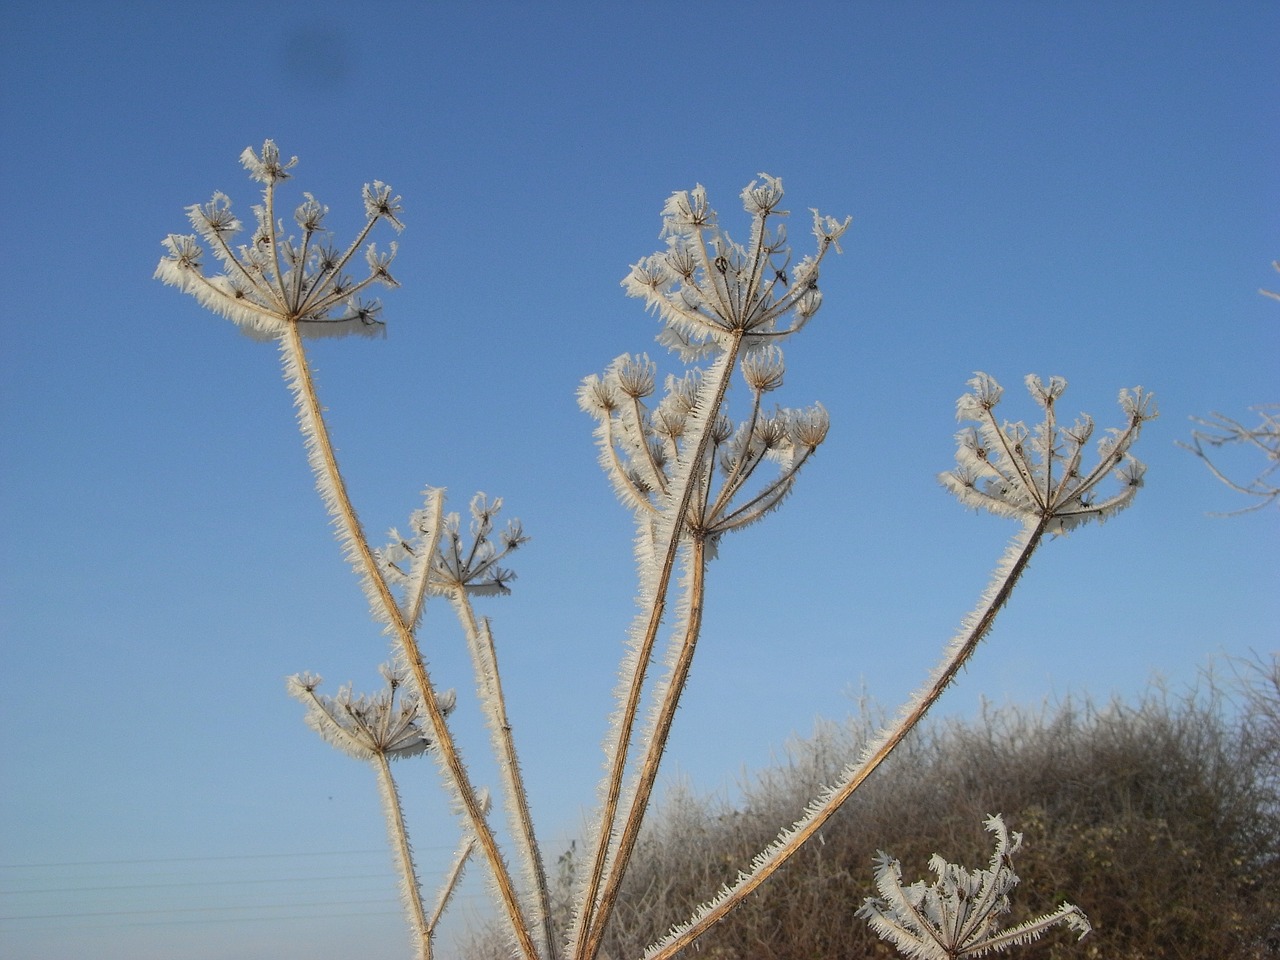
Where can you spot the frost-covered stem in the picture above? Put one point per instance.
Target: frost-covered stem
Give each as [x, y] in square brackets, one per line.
[324, 281]
[1018, 460]
[738, 476]
[624, 724]
[416, 598]
[609, 460]
[274, 239]
[657, 741]
[769, 496]
[974, 628]
[484, 658]
[656, 476]
[450, 883]
[333, 492]
[410, 888]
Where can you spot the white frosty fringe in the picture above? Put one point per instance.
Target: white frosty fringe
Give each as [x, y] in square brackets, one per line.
[972, 629]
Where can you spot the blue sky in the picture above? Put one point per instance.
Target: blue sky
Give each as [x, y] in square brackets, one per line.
[1083, 189]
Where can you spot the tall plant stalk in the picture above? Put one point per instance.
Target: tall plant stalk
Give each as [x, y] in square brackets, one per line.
[690, 474]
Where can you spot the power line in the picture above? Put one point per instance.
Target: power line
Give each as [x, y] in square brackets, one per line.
[238, 856]
[194, 883]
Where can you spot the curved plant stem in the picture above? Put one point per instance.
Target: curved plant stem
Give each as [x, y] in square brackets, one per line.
[333, 492]
[975, 627]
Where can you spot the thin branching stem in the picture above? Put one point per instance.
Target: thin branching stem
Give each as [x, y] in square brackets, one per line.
[450, 883]
[410, 888]
[767, 497]
[742, 467]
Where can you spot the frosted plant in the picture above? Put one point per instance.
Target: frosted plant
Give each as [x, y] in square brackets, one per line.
[683, 467]
[380, 729]
[701, 458]
[1218, 432]
[958, 915]
[289, 288]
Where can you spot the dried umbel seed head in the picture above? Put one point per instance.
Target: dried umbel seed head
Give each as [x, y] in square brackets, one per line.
[1037, 476]
[710, 290]
[763, 368]
[276, 282]
[388, 724]
[598, 397]
[635, 376]
[809, 427]
[763, 196]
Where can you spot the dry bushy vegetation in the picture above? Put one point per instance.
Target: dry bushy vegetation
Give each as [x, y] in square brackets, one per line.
[1160, 818]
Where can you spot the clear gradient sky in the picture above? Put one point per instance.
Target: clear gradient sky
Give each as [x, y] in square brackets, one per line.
[1084, 189]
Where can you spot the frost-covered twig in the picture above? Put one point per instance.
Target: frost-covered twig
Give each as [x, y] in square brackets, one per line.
[1221, 431]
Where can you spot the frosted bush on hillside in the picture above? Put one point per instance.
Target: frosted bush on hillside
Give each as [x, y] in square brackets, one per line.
[694, 461]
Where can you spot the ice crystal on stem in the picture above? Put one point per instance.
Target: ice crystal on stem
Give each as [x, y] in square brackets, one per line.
[958, 915]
